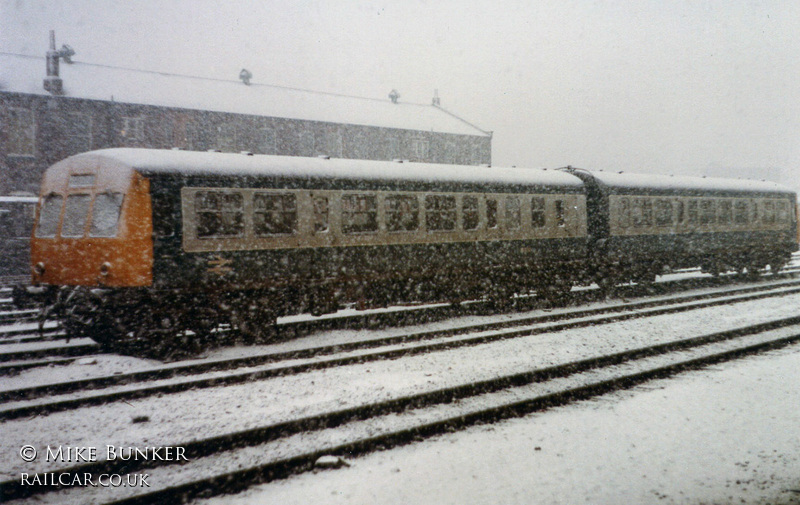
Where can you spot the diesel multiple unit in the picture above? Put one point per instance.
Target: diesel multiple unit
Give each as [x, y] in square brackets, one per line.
[142, 248]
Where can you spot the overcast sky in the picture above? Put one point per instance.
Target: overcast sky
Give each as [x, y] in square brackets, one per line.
[652, 86]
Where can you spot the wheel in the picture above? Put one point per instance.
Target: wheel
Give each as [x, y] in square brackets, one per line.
[256, 322]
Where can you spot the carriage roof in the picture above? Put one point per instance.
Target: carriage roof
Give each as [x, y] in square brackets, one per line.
[629, 182]
[155, 162]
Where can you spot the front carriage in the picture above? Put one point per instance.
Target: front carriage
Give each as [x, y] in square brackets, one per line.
[200, 239]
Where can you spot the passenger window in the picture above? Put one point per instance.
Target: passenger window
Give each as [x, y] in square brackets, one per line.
[219, 214]
[725, 208]
[48, 216]
[105, 214]
[469, 212]
[320, 214]
[707, 212]
[647, 213]
[642, 212]
[692, 211]
[783, 212]
[513, 213]
[560, 221]
[681, 214]
[663, 212]
[359, 214]
[754, 211]
[740, 212]
[76, 211]
[491, 213]
[769, 212]
[624, 213]
[274, 214]
[402, 213]
[537, 212]
[440, 212]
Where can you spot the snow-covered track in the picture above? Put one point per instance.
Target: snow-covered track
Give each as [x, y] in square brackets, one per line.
[231, 462]
[15, 316]
[29, 330]
[14, 367]
[37, 350]
[179, 377]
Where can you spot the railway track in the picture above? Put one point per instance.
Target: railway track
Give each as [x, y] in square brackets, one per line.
[230, 462]
[173, 378]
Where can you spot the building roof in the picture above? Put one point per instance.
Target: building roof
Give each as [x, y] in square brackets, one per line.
[25, 74]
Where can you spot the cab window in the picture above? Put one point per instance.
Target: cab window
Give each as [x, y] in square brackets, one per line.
[105, 214]
[48, 216]
[76, 211]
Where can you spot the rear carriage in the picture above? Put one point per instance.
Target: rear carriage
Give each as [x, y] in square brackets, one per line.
[644, 224]
[147, 244]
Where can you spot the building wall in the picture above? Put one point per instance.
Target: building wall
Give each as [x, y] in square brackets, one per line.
[37, 131]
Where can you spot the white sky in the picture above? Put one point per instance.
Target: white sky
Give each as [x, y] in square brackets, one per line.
[639, 85]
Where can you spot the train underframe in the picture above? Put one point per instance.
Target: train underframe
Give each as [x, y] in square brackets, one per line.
[173, 322]
[164, 323]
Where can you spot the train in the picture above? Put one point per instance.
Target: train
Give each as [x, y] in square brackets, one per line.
[16, 225]
[148, 251]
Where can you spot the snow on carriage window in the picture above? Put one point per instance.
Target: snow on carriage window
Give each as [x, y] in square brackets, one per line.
[274, 214]
[469, 212]
[707, 211]
[81, 181]
[560, 217]
[692, 211]
[769, 212]
[491, 213]
[48, 216]
[783, 212]
[76, 211]
[105, 214]
[402, 213]
[740, 212]
[725, 211]
[321, 212]
[663, 212]
[440, 212]
[624, 213]
[219, 214]
[513, 212]
[359, 214]
[537, 211]
[642, 212]
[681, 216]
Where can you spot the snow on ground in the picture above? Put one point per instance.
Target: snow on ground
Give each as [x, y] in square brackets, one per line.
[203, 413]
[724, 435]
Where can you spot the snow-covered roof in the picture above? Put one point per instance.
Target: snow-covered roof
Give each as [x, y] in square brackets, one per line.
[624, 180]
[25, 74]
[161, 161]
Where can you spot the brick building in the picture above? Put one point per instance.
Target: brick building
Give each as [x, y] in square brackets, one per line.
[79, 107]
